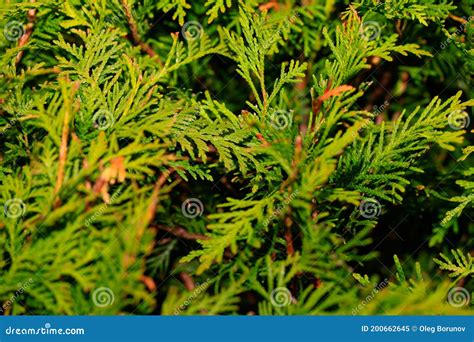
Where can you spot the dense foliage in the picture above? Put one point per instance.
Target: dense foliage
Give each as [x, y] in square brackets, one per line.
[224, 157]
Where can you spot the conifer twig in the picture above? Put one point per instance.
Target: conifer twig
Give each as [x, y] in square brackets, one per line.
[328, 93]
[290, 249]
[26, 36]
[65, 134]
[458, 19]
[271, 4]
[151, 209]
[135, 35]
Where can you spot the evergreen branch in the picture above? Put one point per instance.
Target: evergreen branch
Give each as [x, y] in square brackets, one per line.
[462, 267]
[135, 35]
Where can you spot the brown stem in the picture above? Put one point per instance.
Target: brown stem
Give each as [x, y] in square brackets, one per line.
[398, 27]
[182, 233]
[187, 281]
[290, 249]
[26, 36]
[64, 137]
[294, 164]
[151, 209]
[135, 35]
[458, 19]
[149, 282]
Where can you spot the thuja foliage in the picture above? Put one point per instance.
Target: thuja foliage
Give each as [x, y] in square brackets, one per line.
[226, 157]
